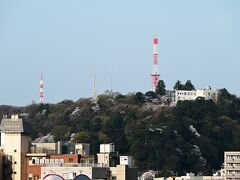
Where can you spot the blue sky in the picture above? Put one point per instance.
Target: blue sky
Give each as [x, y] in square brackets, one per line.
[69, 40]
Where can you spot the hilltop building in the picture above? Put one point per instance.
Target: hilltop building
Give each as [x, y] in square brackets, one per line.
[183, 95]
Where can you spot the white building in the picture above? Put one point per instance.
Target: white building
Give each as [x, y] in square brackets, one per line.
[107, 148]
[126, 160]
[207, 94]
[15, 145]
[82, 149]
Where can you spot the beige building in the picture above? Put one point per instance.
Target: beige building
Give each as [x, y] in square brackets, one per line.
[15, 145]
[123, 172]
[232, 165]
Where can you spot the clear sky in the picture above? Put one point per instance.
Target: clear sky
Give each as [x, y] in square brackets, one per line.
[68, 40]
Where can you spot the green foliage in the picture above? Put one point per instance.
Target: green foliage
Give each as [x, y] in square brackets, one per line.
[161, 88]
[188, 86]
[151, 94]
[190, 137]
[178, 85]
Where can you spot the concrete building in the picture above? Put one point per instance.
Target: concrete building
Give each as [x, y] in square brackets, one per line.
[2, 157]
[107, 156]
[48, 148]
[207, 94]
[107, 148]
[232, 165]
[72, 170]
[95, 172]
[106, 168]
[123, 172]
[82, 149]
[15, 144]
[34, 166]
[126, 160]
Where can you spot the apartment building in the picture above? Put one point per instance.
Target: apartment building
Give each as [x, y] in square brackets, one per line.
[232, 165]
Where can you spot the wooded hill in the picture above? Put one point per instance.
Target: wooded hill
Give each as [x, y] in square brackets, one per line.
[190, 137]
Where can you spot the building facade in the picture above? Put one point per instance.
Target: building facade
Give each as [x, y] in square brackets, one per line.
[232, 165]
[15, 145]
[207, 94]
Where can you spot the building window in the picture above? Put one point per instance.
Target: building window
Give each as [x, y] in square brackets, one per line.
[33, 161]
[30, 178]
[70, 160]
[15, 150]
[15, 162]
[14, 172]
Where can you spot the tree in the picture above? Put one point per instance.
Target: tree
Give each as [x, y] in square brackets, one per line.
[139, 98]
[188, 86]
[161, 88]
[150, 94]
[178, 85]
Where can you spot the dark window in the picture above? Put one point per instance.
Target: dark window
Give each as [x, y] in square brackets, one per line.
[70, 160]
[33, 161]
[15, 150]
[15, 162]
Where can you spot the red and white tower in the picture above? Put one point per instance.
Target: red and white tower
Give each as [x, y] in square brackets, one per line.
[41, 100]
[155, 75]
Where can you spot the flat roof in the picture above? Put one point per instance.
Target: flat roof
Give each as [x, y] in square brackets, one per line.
[37, 155]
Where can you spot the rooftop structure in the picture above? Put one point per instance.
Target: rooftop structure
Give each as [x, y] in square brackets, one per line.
[12, 125]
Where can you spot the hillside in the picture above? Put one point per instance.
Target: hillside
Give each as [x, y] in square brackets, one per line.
[190, 137]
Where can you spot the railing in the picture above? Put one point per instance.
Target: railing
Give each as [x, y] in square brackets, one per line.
[76, 165]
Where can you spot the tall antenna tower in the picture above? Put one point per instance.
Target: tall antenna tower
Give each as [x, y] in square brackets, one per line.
[111, 81]
[41, 100]
[94, 92]
[155, 75]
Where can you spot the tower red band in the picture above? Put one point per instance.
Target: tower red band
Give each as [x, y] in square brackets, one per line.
[41, 100]
[155, 75]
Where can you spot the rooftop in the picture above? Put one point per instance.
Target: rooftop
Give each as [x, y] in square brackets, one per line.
[13, 125]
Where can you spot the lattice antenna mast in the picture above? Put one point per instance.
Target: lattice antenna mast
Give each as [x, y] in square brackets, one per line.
[41, 100]
[94, 92]
[111, 81]
[155, 75]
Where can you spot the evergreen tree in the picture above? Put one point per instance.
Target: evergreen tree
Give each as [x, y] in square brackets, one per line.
[188, 86]
[178, 85]
[161, 88]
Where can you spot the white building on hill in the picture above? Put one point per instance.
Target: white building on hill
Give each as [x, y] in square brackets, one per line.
[207, 94]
